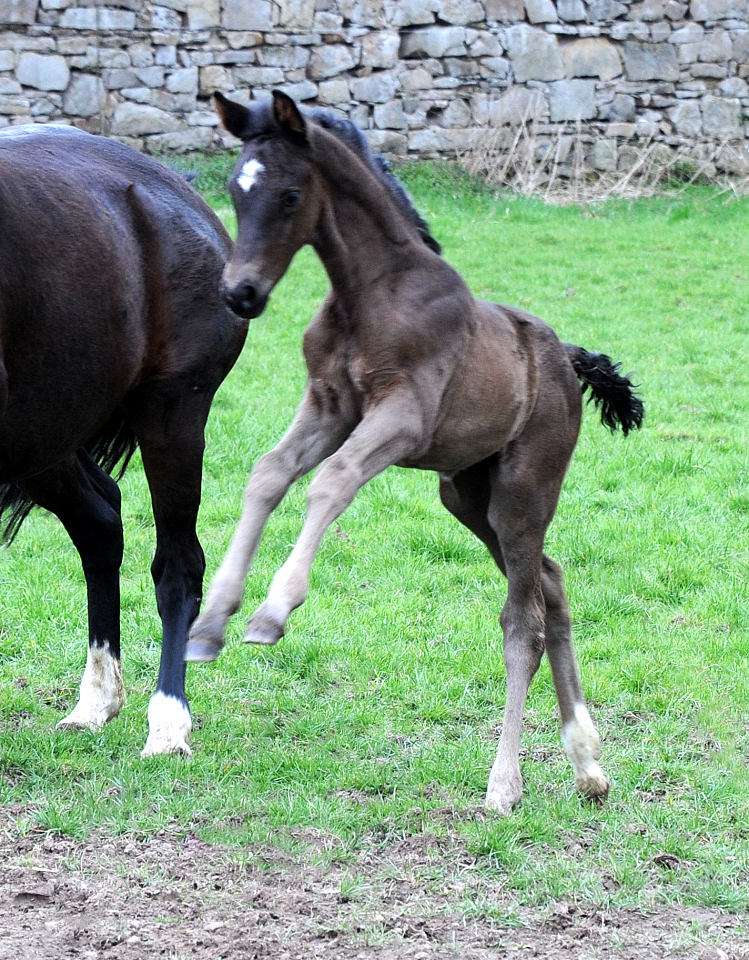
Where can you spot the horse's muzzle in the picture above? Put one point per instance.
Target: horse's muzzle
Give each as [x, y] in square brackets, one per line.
[246, 299]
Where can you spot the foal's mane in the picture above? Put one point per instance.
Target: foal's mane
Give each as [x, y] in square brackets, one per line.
[350, 135]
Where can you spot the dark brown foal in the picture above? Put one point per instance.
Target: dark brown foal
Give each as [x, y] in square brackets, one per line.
[406, 367]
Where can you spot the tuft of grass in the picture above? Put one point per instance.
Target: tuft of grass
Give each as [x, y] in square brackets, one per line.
[377, 717]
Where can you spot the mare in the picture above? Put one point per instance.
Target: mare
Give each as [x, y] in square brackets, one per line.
[405, 367]
[113, 334]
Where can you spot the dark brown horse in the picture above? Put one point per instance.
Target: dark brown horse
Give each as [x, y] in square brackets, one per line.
[406, 367]
[112, 334]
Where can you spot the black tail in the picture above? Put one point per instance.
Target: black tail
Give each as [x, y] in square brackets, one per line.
[115, 442]
[609, 390]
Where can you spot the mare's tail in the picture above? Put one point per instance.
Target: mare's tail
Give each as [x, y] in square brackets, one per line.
[609, 390]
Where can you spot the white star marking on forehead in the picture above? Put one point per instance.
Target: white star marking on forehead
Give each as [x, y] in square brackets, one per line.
[250, 172]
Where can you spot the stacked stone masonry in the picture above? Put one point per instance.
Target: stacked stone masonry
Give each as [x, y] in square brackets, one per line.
[424, 78]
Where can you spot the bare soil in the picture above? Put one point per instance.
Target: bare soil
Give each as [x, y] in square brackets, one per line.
[416, 899]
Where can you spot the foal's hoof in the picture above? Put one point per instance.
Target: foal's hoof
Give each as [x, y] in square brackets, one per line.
[204, 643]
[593, 788]
[264, 631]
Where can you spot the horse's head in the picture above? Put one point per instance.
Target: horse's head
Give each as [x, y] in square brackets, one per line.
[277, 196]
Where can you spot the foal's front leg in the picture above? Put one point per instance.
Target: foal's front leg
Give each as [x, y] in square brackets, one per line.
[390, 432]
[312, 436]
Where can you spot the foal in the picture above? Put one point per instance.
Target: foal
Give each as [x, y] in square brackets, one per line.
[406, 367]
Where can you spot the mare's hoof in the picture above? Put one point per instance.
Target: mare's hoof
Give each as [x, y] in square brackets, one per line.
[264, 631]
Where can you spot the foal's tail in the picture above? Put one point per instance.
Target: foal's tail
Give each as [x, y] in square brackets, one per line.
[609, 390]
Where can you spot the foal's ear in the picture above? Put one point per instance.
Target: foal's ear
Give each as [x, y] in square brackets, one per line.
[288, 117]
[235, 118]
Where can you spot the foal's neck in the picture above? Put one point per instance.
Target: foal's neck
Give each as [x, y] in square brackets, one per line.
[362, 236]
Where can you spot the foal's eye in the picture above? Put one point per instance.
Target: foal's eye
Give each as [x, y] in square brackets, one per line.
[290, 200]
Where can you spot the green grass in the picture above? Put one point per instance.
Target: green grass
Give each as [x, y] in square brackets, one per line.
[378, 714]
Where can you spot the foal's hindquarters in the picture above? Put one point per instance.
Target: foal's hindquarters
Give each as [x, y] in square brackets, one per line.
[508, 501]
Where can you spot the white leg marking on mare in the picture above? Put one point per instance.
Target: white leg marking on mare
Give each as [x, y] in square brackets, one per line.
[249, 174]
[169, 726]
[583, 747]
[102, 692]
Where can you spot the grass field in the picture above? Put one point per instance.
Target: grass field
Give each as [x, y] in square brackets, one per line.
[378, 714]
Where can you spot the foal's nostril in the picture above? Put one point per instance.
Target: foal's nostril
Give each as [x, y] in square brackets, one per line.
[242, 298]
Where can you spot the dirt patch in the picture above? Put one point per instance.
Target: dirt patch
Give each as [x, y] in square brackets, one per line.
[415, 899]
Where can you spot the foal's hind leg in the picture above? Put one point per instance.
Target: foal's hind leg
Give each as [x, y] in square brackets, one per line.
[87, 502]
[472, 497]
[580, 737]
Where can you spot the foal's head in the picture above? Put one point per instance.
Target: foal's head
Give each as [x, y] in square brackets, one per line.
[279, 192]
[277, 195]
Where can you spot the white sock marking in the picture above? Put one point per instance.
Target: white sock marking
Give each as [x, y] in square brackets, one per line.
[583, 747]
[102, 692]
[249, 175]
[169, 726]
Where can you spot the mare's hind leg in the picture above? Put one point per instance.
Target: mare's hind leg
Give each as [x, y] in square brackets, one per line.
[87, 502]
[169, 426]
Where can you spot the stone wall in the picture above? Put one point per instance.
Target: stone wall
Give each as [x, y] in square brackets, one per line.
[424, 77]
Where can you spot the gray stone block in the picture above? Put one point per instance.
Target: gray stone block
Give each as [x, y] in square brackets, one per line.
[183, 81]
[571, 11]
[296, 14]
[534, 54]
[390, 116]
[718, 9]
[247, 15]
[604, 155]
[330, 60]
[434, 42]
[689, 33]
[332, 92]
[541, 11]
[363, 13]
[136, 120]
[721, 118]
[592, 57]
[686, 118]
[648, 11]
[163, 18]
[650, 61]
[378, 88]
[416, 12]
[42, 72]
[85, 96]
[716, 47]
[380, 49]
[605, 10]
[203, 14]
[259, 76]
[505, 11]
[18, 11]
[303, 90]
[388, 142]
[572, 100]
[461, 12]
